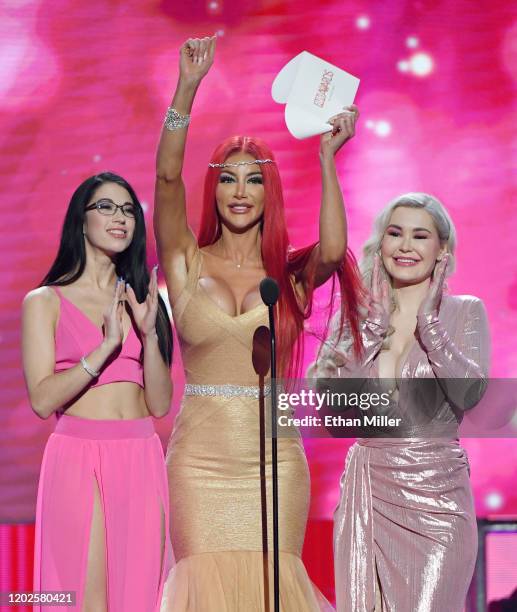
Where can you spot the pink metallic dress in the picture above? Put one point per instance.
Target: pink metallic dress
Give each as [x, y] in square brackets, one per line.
[405, 537]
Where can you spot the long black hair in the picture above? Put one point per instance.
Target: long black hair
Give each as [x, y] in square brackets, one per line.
[131, 264]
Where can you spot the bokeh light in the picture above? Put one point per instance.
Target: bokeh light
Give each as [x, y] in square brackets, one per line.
[494, 500]
[362, 22]
[421, 64]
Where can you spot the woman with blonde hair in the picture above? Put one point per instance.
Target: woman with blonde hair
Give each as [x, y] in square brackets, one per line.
[405, 535]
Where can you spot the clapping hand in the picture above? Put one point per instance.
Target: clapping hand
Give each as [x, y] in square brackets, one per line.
[145, 314]
[113, 330]
[431, 302]
[380, 303]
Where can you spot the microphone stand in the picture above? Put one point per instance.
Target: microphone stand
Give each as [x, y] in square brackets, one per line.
[269, 292]
[274, 460]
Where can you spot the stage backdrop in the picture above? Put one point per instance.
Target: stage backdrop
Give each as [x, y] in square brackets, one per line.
[84, 87]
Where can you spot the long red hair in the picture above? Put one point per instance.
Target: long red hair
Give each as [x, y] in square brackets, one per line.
[281, 261]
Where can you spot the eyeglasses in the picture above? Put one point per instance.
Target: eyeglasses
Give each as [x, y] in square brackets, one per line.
[109, 208]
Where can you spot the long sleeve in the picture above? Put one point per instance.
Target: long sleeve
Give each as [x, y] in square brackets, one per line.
[462, 364]
[373, 333]
[336, 358]
[332, 352]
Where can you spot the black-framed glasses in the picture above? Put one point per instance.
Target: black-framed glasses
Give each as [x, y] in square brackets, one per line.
[107, 207]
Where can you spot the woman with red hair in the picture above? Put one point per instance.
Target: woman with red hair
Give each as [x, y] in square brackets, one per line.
[219, 474]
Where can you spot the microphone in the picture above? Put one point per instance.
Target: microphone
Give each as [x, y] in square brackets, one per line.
[269, 291]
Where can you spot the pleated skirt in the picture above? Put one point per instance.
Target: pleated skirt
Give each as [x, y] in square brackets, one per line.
[123, 460]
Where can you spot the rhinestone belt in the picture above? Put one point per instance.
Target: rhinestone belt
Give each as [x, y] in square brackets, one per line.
[227, 390]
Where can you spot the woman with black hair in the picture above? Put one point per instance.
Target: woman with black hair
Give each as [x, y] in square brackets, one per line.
[97, 347]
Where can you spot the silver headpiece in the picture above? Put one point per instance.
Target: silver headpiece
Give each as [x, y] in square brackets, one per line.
[241, 163]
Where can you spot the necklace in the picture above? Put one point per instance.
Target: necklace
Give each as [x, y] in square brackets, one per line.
[237, 265]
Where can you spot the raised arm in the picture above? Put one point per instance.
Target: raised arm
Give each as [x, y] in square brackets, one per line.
[328, 255]
[460, 365]
[175, 240]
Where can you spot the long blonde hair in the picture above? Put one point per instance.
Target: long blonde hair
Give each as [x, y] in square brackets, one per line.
[333, 351]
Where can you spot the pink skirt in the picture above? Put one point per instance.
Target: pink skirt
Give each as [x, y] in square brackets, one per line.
[124, 461]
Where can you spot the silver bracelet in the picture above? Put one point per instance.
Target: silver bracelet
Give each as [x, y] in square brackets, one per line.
[90, 371]
[175, 121]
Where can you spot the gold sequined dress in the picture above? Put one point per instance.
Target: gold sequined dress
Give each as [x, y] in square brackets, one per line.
[220, 525]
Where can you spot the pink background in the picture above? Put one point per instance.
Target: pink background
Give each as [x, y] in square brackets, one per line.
[84, 87]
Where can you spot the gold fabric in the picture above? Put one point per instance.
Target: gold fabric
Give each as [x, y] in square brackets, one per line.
[219, 520]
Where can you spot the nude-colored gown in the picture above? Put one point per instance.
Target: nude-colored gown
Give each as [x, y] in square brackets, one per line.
[214, 473]
[406, 515]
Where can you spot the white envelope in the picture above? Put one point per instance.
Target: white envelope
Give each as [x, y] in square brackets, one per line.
[313, 90]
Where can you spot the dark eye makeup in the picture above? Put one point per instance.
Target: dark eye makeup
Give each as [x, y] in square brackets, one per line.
[255, 179]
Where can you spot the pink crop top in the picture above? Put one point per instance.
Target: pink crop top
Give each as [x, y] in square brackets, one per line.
[76, 336]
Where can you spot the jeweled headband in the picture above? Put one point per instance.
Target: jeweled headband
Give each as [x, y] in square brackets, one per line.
[241, 163]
